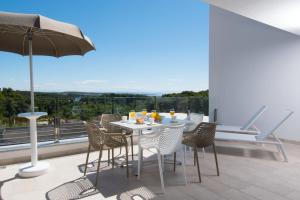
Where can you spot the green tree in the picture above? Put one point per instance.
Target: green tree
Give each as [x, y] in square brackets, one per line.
[9, 110]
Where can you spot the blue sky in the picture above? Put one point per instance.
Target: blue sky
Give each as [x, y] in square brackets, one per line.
[142, 46]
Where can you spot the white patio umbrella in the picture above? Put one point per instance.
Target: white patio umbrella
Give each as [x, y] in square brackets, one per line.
[30, 34]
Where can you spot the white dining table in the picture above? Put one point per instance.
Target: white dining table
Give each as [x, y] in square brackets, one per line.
[138, 129]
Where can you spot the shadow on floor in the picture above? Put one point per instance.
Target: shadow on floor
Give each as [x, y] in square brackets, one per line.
[2, 182]
[259, 153]
[92, 165]
[112, 182]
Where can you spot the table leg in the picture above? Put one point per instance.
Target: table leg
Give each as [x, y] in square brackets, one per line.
[140, 155]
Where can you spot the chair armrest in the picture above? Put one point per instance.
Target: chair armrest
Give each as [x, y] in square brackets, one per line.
[188, 132]
[117, 135]
[103, 129]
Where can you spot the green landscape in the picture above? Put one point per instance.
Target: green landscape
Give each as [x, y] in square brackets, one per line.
[87, 106]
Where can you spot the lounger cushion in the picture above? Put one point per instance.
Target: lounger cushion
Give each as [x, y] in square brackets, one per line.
[235, 137]
[235, 129]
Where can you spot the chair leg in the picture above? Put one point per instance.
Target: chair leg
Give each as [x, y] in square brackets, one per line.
[183, 164]
[108, 159]
[161, 172]
[142, 155]
[98, 167]
[282, 150]
[174, 167]
[163, 162]
[127, 167]
[216, 159]
[120, 150]
[139, 162]
[197, 161]
[194, 159]
[87, 159]
[131, 142]
[112, 157]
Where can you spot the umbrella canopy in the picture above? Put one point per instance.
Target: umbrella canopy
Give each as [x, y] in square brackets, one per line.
[29, 34]
[49, 37]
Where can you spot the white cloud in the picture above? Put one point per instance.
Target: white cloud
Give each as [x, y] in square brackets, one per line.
[168, 85]
[48, 86]
[89, 82]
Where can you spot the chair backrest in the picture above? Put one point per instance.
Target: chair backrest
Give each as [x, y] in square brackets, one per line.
[204, 134]
[170, 139]
[196, 118]
[253, 119]
[276, 125]
[95, 135]
[105, 122]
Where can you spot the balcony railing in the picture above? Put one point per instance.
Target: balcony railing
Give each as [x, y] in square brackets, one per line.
[71, 113]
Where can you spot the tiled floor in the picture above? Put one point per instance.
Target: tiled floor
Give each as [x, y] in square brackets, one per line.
[250, 173]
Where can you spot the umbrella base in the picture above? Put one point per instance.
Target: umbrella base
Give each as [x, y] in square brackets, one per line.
[27, 170]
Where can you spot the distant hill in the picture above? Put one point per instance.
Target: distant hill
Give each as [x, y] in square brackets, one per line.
[88, 105]
[203, 93]
[71, 94]
[111, 94]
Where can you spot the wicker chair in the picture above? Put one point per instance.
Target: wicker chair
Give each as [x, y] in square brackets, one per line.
[98, 139]
[111, 129]
[202, 136]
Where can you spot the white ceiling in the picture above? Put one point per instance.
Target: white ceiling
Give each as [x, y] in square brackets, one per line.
[282, 14]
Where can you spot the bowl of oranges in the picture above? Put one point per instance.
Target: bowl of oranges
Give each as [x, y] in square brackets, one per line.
[139, 121]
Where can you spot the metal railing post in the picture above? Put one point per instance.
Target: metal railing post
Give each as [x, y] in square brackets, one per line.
[56, 106]
[176, 103]
[56, 122]
[104, 103]
[112, 105]
[155, 103]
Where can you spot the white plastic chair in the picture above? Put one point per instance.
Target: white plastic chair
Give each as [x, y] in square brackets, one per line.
[168, 142]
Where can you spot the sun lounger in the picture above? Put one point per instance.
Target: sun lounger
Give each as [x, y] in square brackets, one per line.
[267, 137]
[248, 127]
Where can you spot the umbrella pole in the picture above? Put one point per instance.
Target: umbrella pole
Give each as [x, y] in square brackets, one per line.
[33, 127]
[34, 168]
[31, 73]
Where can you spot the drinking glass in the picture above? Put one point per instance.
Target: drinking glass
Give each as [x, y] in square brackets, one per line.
[153, 113]
[144, 112]
[172, 112]
[132, 115]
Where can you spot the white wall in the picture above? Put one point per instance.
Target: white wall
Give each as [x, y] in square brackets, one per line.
[253, 64]
[282, 14]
